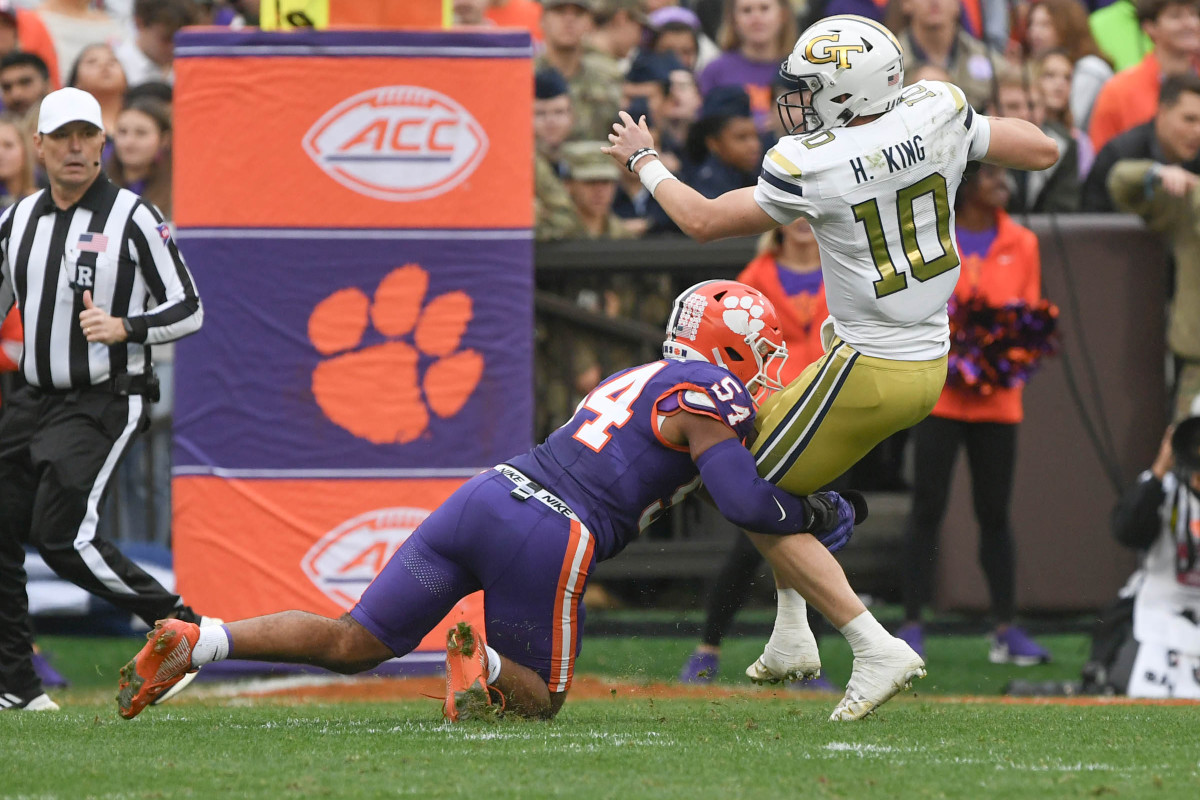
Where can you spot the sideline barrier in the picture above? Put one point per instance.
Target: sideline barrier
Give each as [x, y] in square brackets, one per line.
[359, 231]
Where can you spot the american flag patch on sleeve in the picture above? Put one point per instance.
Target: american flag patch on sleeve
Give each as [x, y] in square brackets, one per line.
[92, 243]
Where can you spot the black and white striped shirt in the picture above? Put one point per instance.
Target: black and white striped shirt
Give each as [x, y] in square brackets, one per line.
[116, 245]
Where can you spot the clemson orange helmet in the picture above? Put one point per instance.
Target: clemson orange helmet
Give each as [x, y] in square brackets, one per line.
[731, 325]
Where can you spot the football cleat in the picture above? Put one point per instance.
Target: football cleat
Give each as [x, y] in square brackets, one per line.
[701, 667]
[163, 662]
[878, 677]
[38, 702]
[1013, 646]
[467, 694]
[187, 679]
[798, 660]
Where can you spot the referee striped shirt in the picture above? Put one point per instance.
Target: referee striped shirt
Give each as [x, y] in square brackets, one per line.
[112, 243]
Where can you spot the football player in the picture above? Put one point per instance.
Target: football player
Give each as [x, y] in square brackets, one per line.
[874, 167]
[529, 531]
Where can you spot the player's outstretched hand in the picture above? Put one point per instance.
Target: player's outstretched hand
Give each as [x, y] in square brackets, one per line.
[834, 517]
[627, 138]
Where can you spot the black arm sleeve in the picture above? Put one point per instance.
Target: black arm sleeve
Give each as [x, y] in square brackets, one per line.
[1135, 520]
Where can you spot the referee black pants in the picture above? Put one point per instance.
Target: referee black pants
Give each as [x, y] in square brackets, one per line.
[58, 454]
[992, 456]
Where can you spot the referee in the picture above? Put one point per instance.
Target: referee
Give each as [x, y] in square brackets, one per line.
[97, 279]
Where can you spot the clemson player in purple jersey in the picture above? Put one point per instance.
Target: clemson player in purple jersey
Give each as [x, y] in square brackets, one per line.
[529, 531]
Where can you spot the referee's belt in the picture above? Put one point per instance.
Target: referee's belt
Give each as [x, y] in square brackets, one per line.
[122, 385]
[527, 487]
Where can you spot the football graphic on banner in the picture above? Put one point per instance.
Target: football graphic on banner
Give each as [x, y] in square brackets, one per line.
[344, 561]
[397, 143]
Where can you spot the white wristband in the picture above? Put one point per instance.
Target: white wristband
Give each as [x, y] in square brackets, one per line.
[655, 173]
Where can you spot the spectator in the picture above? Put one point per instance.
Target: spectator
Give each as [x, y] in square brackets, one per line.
[1000, 264]
[594, 79]
[932, 35]
[23, 29]
[24, 81]
[554, 213]
[1063, 24]
[725, 143]
[591, 180]
[1131, 97]
[679, 114]
[98, 72]
[1119, 34]
[16, 160]
[1051, 190]
[1158, 654]
[1173, 137]
[158, 90]
[619, 28]
[141, 159]
[649, 81]
[149, 55]
[1165, 196]
[471, 13]
[526, 14]
[677, 30]
[926, 72]
[756, 35]
[1053, 80]
[73, 25]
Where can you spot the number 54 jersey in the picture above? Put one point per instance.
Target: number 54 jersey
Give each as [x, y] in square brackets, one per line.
[610, 463]
[880, 197]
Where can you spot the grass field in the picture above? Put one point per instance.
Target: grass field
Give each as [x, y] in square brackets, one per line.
[756, 744]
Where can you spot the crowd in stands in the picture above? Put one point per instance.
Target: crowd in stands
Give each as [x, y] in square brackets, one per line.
[705, 74]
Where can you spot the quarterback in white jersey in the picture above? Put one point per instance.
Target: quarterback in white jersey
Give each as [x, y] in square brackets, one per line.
[881, 202]
[874, 167]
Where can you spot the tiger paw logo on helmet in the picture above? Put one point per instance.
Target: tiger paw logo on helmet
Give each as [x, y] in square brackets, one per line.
[742, 314]
[384, 393]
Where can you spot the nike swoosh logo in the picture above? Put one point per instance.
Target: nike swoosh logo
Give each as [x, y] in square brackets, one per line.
[782, 513]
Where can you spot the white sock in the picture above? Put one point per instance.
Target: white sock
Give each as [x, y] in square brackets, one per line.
[214, 644]
[791, 635]
[493, 665]
[865, 633]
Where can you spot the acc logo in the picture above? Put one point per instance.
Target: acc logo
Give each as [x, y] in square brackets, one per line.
[397, 143]
[345, 561]
[832, 52]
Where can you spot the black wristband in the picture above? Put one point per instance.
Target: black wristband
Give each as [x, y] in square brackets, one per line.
[634, 156]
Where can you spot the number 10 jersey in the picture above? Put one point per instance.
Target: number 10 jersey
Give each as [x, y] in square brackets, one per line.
[880, 197]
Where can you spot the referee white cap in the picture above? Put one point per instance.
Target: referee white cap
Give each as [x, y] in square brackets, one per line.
[68, 105]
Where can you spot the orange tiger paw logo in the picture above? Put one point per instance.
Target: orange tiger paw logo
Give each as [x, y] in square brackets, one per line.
[377, 392]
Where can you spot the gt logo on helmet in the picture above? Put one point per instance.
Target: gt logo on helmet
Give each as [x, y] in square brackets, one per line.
[831, 52]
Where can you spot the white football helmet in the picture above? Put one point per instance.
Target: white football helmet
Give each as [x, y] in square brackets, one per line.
[842, 67]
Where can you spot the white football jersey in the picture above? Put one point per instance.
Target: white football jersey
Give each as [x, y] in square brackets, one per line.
[880, 197]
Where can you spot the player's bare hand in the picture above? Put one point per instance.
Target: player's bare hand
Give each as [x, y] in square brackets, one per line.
[627, 138]
[98, 325]
[1177, 181]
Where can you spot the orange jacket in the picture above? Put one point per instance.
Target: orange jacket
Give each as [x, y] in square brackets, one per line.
[1129, 99]
[801, 321]
[1011, 270]
[32, 37]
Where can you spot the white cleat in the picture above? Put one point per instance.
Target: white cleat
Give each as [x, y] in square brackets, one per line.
[774, 667]
[877, 678]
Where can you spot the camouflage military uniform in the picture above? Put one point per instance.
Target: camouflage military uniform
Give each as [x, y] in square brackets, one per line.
[553, 212]
[595, 95]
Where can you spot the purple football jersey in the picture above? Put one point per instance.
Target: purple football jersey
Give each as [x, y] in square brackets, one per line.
[609, 462]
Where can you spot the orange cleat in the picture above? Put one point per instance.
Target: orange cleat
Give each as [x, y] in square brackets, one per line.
[164, 661]
[467, 695]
